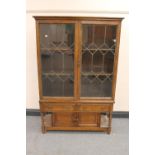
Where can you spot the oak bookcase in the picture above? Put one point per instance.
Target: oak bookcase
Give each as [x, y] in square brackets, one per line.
[77, 70]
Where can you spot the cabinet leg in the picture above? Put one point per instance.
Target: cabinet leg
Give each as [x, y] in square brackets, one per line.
[43, 124]
[44, 129]
[110, 121]
[109, 130]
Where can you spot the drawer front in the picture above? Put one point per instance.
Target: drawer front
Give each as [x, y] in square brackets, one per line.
[95, 107]
[58, 107]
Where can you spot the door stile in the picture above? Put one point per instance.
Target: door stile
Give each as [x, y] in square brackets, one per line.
[76, 61]
[39, 59]
[79, 44]
[115, 67]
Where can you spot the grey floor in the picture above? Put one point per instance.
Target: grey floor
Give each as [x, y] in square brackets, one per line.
[77, 143]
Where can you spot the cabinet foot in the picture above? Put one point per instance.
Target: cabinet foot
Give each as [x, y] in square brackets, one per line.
[44, 129]
[109, 131]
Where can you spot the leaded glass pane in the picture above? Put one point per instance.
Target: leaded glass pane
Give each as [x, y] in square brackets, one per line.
[98, 49]
[57, 59]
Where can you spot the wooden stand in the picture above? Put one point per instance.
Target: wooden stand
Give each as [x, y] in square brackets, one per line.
[76, 122]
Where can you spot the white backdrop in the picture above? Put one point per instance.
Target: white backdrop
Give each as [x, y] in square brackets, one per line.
[103, 8]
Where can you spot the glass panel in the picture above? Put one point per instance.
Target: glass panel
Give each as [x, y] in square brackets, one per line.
[98, 49]
[57, 59]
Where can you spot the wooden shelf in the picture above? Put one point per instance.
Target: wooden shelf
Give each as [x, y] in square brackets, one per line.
[56, 49]
[76, 129]
[98, 49]
[71, 74]
[70, 49]
[58, 74]
[96, 74]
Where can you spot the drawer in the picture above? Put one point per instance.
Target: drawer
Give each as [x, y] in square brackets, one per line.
[61, 107]
[56, 107]
[95, 107]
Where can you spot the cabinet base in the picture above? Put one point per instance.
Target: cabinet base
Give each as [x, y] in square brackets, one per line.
[86, 122]
[107, 130]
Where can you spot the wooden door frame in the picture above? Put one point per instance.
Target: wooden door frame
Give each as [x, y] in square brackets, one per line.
[49, 21]
[115, 65]
[78, 21]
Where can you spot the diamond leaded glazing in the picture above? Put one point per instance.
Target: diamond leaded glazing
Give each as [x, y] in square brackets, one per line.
[98, 49]
[57, 59]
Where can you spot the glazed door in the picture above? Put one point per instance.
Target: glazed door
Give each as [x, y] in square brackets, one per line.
[77, 59]
[97, 60]
[57, 50]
